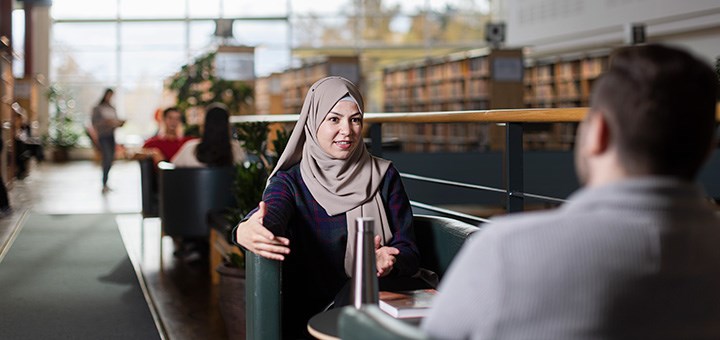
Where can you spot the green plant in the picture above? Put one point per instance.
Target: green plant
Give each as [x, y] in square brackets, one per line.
[251, 176]
[197, 85]
[64, 131]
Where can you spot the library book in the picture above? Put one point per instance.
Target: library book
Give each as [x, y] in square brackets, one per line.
[407, 304]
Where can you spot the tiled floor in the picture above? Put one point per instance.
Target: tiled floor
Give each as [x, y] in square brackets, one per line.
[183, 296]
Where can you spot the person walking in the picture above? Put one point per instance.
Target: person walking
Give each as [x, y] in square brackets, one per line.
[105, 121]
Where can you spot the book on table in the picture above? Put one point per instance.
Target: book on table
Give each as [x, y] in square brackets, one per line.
[407, 304]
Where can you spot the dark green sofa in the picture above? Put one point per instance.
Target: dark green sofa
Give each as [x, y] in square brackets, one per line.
[438, 238]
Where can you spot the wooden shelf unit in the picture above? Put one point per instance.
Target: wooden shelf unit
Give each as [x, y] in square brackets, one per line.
[460, 81]
[564, 81]
[7, 98]
[295, 82]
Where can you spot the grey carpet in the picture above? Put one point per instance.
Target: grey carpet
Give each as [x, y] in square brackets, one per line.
[69, 277]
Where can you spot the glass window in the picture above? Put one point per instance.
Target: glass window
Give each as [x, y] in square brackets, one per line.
[268, 33]
[405, 6]
[152, 8]
[201, 34]
[80, 9]
[152, 35]
[94, 35]
[273, 60]
[151, 65]
[203, 8]
[257, 8]
[140, 100]
[18, 42]
[315, 31]
[83, 66]
[326, 7]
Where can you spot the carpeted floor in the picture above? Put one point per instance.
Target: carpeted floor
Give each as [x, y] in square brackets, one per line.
[69, 277]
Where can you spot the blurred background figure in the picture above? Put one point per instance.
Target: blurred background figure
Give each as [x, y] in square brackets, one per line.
[104, 122]
[216, 147]
[170, 138]
[26, 146]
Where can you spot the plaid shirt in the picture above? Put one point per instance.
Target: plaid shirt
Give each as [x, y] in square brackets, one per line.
[315, 266]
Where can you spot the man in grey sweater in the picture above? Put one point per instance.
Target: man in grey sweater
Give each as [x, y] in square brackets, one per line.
[635, 254]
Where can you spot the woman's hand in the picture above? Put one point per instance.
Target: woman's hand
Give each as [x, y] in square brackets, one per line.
[385, 257]
[252, 235]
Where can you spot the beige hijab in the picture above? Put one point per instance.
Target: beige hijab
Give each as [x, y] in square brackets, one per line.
[350, 186]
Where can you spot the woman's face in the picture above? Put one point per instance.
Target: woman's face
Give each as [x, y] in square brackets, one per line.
[339, 133]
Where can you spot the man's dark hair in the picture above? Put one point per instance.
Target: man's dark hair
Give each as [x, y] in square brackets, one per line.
[660, 104]
[215, 148]
[170, 109]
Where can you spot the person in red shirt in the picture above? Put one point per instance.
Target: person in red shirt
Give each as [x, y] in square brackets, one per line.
[169, 139]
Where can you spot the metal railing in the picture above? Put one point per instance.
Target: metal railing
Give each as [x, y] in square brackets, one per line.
[513, 120]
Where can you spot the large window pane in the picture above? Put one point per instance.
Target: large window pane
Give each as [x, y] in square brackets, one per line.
[204, 8]
[79, 9]
[83, 66]
[273, 60]
[268, 33]
[152, 8]
[201, 34]
[98, 36]
[320, 7]
[18, 42]
[257, 8]
[152, 35]
[140, 99]
[151, 65]
[405, 6]
[318, 31]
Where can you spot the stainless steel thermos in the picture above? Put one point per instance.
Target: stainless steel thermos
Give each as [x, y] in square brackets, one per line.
[364, 281]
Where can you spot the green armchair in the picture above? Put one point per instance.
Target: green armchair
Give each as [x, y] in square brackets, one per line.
[438, 238]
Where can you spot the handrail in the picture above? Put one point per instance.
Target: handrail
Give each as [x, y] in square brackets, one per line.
[548, 115]
[513, 163]
[557, 115]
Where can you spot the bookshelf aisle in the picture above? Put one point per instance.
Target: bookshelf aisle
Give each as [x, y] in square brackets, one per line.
[563, 81]
[295, 82]
[473, 80]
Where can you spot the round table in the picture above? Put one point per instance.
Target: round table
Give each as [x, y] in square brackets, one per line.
[324, 326]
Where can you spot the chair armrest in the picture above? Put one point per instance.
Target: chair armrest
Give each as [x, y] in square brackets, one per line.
[439, 239]
[263, 297]
[370, 322]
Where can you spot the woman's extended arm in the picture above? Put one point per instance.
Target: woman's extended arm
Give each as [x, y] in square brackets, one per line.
[253, 236]
[259, 232]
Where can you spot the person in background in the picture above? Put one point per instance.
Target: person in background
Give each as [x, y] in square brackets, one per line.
[215, 148]
[632, 255]
[26, 147]
[164, 145]
[105, 120]
[5, 209]
[325, 179]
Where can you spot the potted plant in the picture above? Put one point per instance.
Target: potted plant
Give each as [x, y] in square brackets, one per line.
[63, 131]
[232, 294]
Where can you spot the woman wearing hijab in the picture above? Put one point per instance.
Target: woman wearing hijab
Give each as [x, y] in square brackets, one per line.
[323, 181]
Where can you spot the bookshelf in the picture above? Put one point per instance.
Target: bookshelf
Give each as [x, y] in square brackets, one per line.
[269, 94]
[472, 80]
[7, 83]
[296, 81]
[560, 81]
